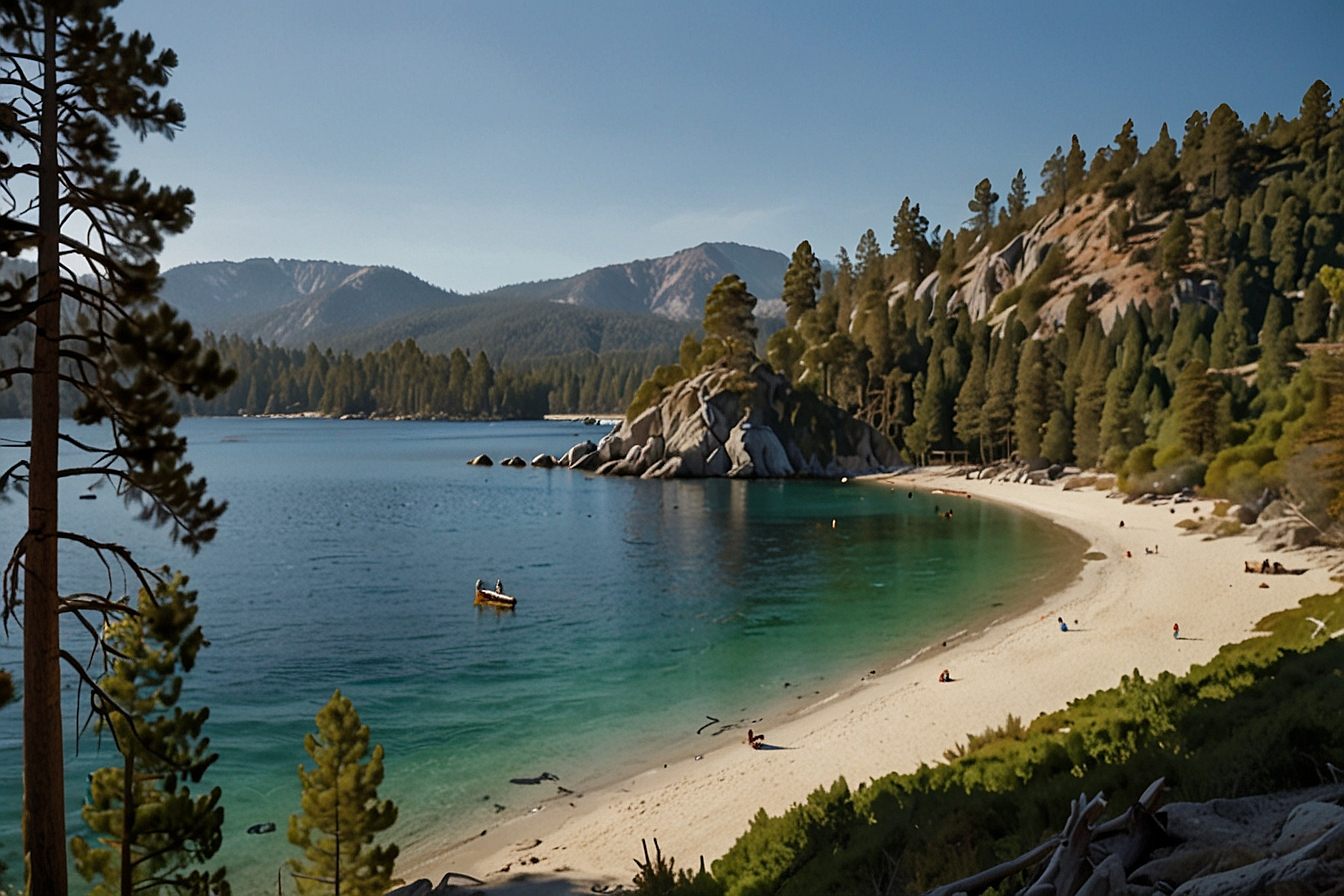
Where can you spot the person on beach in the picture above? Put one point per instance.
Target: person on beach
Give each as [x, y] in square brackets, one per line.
[1122, 524]
[755, 741]
[1176, 631]
[1063, 626]
[945, 676]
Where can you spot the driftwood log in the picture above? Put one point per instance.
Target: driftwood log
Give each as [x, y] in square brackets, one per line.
[1080, 848]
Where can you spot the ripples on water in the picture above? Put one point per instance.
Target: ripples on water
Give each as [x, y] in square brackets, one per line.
[347, 559]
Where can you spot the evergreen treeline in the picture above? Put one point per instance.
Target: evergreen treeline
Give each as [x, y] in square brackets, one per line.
[1257, 209]
[404, 381]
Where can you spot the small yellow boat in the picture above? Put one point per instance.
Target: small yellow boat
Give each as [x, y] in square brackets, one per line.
[487, 598]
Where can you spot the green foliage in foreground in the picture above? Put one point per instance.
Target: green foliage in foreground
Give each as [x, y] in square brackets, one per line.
[1265, 714]
[341, 813]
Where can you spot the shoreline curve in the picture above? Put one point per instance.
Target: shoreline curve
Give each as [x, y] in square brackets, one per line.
[1020, 665]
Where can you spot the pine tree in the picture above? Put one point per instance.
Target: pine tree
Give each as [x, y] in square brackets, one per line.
[1196, 406]
[1090, 399]
[1126, 151]
[1229, 333]
[969, 407]
[1174, 245]
[1314, 117]
[1002, 387]
[72, 82]
[1057, 444]
[169, 829]
[1054, 177]
[1031, 400]
[910, 243]
[1223, 148]
[1017, 196]
[459, 373]
[476, 400]
[1215, 237]
[982, 206]
[730, 317]
[801, 282]
[341, 813]
[1277, 339]
[1075, 166]
[1312, 313]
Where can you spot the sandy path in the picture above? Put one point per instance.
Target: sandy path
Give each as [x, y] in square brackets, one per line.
[1124, 609]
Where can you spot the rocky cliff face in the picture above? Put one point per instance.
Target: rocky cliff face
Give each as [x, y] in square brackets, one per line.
[1115, 279]
[726, 422]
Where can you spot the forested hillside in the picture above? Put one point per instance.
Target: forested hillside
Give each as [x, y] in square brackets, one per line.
[1148, 312]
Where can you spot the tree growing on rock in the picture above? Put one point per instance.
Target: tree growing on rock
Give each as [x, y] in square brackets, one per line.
[341, 813]
[982, 206]
[801, 282]
[71, 80]
[730, 316]
[1017, 195]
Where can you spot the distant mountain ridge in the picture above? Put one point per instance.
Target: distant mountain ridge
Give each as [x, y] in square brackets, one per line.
[629, 306]
[673, 286]
[289, 301]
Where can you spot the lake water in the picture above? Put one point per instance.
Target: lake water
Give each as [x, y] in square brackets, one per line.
[347, 560]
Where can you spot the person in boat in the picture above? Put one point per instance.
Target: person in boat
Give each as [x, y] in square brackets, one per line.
[499, 586]
[480, 586]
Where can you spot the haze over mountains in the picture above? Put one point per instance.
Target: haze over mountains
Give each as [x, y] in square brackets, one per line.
[623, 306]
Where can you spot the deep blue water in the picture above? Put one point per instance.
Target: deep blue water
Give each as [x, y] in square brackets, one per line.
[347, 560]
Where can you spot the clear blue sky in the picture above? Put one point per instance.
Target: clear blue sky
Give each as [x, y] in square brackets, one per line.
[486, 143]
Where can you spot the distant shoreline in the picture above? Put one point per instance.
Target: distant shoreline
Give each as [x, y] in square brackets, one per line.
[1120, 611]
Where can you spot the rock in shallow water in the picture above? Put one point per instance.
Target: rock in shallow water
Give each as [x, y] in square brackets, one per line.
[481, 460]
[578, 451]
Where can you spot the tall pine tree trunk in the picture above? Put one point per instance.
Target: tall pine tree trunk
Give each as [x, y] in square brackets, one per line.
[44, 784]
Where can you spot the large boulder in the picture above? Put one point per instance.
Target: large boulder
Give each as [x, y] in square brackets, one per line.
[580, 450]
[759, 447]
[588, 463]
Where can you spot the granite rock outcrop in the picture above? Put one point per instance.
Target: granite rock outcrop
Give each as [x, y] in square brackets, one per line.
[741, 424]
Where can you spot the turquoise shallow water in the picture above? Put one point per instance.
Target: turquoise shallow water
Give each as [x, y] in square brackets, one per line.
[347, 560]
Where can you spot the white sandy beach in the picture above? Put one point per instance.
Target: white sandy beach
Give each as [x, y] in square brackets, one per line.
[1124, 607]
